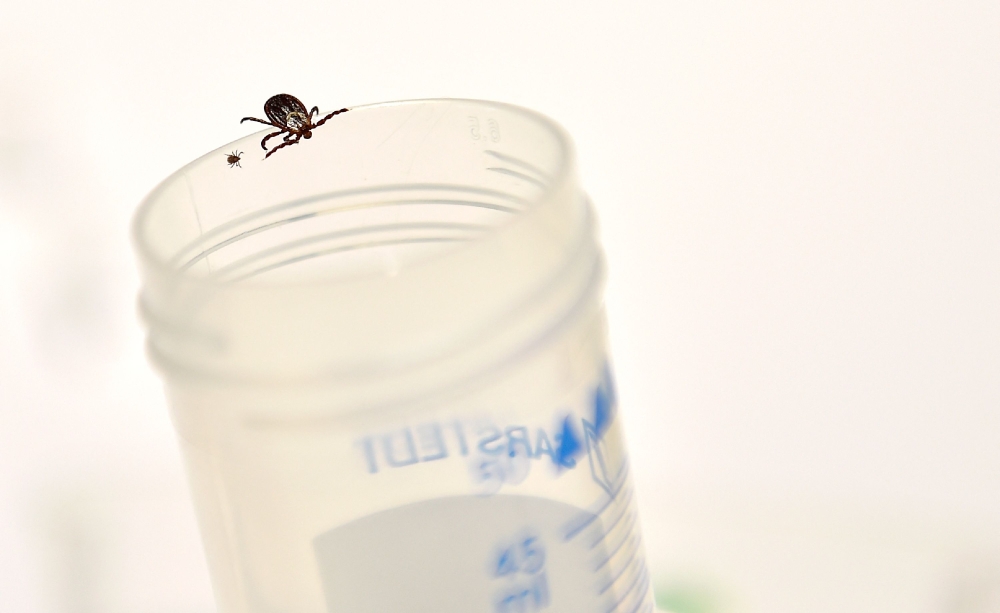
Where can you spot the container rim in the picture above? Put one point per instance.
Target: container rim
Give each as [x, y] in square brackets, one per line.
[161, 266]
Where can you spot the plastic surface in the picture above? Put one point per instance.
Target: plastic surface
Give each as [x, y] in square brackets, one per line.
[385, 357]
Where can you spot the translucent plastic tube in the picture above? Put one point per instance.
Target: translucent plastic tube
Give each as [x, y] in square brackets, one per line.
[385, 357]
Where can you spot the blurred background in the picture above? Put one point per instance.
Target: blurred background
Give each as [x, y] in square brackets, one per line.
[800, 204]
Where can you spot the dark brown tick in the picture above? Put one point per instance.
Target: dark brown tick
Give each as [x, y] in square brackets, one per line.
[289, 115]
[233, 159]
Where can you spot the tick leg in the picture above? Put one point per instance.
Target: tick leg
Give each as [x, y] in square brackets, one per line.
[313, 112]
[267, 123]
[322, 121]
[264, 147]
[284, 144]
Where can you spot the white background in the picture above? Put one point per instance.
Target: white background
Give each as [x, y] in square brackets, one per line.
[799, 202]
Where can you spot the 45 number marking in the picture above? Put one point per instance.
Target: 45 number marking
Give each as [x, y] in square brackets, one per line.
[522, 564]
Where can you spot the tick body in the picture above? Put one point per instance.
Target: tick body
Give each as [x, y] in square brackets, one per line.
[233, 159]
[289, 115]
